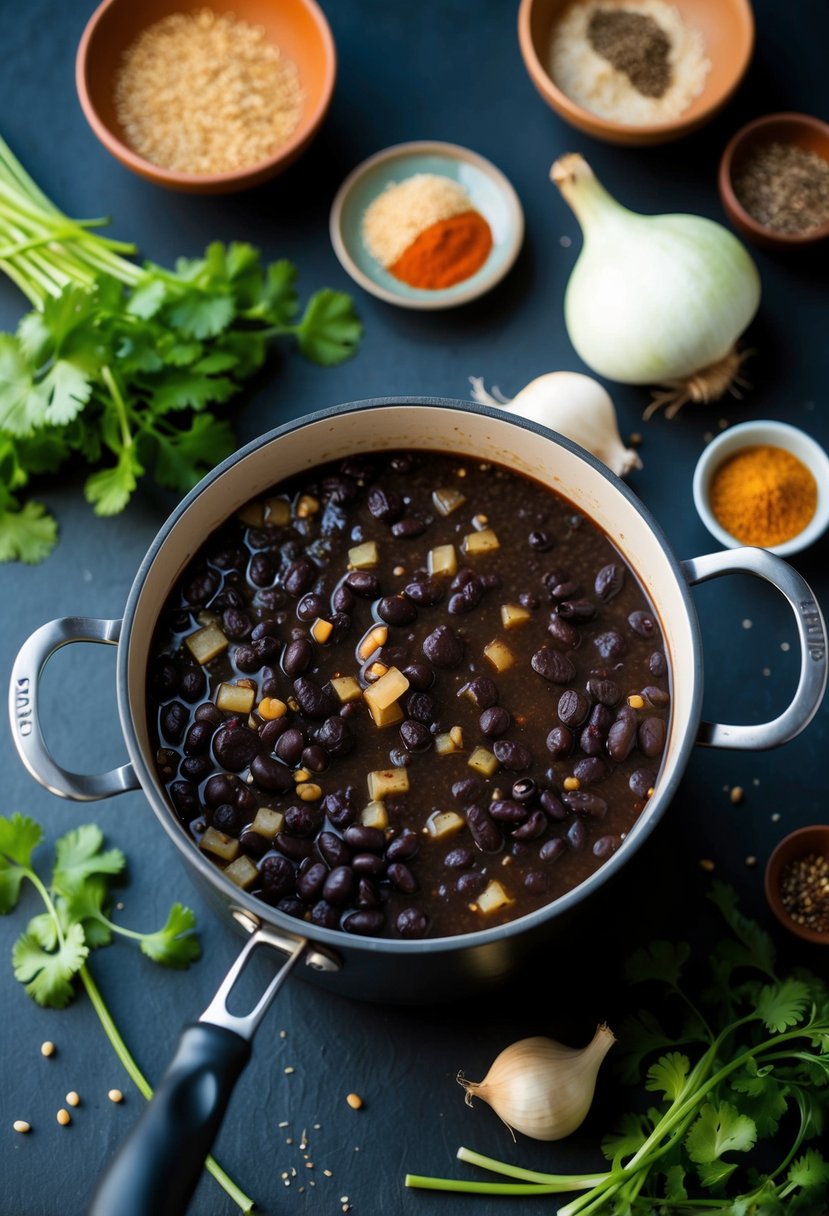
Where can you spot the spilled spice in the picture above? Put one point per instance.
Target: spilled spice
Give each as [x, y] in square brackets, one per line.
[784, 187]
[635, 44]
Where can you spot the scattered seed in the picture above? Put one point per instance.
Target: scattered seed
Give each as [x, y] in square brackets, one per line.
[63, 1117]
[785, 646]
[354, 1101]
[747, 623]
[288, 1070]
[20, 1125]
[47, 1049]
[766, 671]
[565, 242]
[328, 1173]
[72, 1098]
[751, 861]
[775, 817]
[115, 1095]
[284, 1123]
[705, 863]
[737, 794]
[283, 1034]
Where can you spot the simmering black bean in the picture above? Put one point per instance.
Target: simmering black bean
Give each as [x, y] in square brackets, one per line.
[642, 623]
[535, 826]
[425, 591]
[507, 810]
[641, 781]
[277, 876]
[551, 850]
[304, 820]
[195, 768]
[605, 691]
[524, 789]
[404, 847]
[384, 504]
[368, 922]
[514, 757]
[270, 731]
[197, 739]
[582, 802]
[326, 915]
[314, 757]
[540, 540]
[605, 845]
[173, 720]
[657, 664]
[401, 877]
[185, 798]
[298, 577]
[409, 528]
[396, 610]
[610, 645]
[336, 737]
[290, 745]
[372, 840]
[333, 849]
[253, 844]
[553, 666]
[459, 859]
[310, 607]
[315, 701]
[552, 805]
[443, 647]
[609, 581]
[495, 722]
[367, 894]
[573, 708]
[193, 684]
[482, 692]
[622, 735]
[560, 742]
[226, 818]
[658, 697]
[412, 922]
[591, 771]
[421, 707]
[235, 746]
[652, 736]
[577, 610]
[415, 736]
[577, 834]
[370, 864]
[363, 583]
[309, 884]
[563, 631]
[341, 806]
[342, 599]
[484, 829]
[420, 675]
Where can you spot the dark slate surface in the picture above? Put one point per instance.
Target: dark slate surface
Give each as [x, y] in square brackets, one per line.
[448, 70]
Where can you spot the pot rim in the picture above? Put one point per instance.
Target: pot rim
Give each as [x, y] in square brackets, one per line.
[256, 909]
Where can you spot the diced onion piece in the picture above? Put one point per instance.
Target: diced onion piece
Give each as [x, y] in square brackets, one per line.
[387, 717]
[456, 735]
[206, 643]
[373, 640]
[364, 556]
[480, 542]
[243, 872]
[268, 822]
[387, 781]
[277, 512]
[444, 823]
[235, 699]
[445, 744]
[493, 897]
[253, 515]
[226, 848]
[374, 815]
[513, 616]
[386, 690]
[447, 500]
[499, 654]
[321, 630]
[307, 505]
[443, 560]
[374, 671]
[346, 688]
[205, 617]
[483, 761]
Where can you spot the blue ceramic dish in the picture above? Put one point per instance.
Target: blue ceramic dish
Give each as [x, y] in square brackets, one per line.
[489, 191]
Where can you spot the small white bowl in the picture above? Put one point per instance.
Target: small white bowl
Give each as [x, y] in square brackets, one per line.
[773, 434]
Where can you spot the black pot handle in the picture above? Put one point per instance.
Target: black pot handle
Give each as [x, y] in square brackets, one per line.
[156, 1170]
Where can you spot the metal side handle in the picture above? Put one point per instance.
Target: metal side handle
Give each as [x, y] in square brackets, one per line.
[23, 710]
[811, 632]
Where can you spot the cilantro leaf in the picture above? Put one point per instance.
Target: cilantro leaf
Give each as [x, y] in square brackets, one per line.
[675, 1189]
[79, 856]
[84, 905]
[809, 1171]
[719, 1128]
[183, 388]
[668, 1075]
[46, 973]
[19, 837]
[22, 404]
[279, 300]
[67, 387]
[758, 949]
[27, 535]
[783, 1005]
[659, 961]
[330, 328]
[147, 297]
[627, 1139]
[175, 944]
[184, 457]
[201, 314]
[109, 490]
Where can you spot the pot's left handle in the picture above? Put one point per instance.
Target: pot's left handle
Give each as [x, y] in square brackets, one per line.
[23, 710]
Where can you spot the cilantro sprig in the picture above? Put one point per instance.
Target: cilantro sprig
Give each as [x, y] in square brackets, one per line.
[51, 953]
[121, 365]
[746, 1063]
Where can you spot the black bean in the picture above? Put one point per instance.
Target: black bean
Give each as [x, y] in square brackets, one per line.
[385, 505]
[342, 600]
[290, 746]
[336, 737]
[443, 647]
[495, 721]
[404, 847]
[333, 849]
[642, 623]
[270, 774]
[419, 674]
[524, 789]
[340, 623]
[458, 604]
[657, 665]
[253, 844]
[396, 610]
[415, 736]
[226, 818]
[235, 746]
[310, 883]
[401, 877]
[485, 831]
[605, 691]
[297, 656]
[201, 588]
[535, 826]
[540, 540]
[622, 735]
[482, 692]
[368, 922]
[277, 876]
[325, 915]
[421, 707]
[582, 802]
[652, 736]
[369, 864]
[367, 894]
[527, 600]
[560, 742]
[341, 806]
[577, 834]
[601, 718]
[515, 757]
[298, 577]
[563, 632]
[166, 680]
[609, 581]
[197, 739]
[553, 666]
[340, 490]
[425, 591]
[246, 800]
[185, 798]
[246, 659]
[315, 701]
[372, 840]
[412, 922]
[193, 684]
[470, 883]
[564, 591]
[552, 805]
[196, 768]
[577, 610]
[610, 645]
[266, 628]
[591, 771]
[506, 810]
[468, 789]
[260, 571]
[303, 820]
[236, 624]
[228, 557]
[658, 697]
[265, 648]
[315, 758]
[363, 583]
[209, 713]
[270, 731]
[173, 720]
[409, 527]
[272, 599]
[536, 882]
[641, 780]
[591, 740]
[605, 845]
[219, 789]
[459, 859]
[552, 849]
[573, 708]
[310, 607]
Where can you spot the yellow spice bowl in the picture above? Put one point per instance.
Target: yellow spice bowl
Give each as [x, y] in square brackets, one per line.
[760, 434]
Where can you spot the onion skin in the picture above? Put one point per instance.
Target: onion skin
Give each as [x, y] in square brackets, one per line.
[540, 1087]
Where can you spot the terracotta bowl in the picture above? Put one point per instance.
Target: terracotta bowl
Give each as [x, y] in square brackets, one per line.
[797, 844]
[727, 27]
[297, 27]
[800, 129]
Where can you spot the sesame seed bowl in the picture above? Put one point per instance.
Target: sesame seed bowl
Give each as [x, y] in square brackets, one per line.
[149, 87]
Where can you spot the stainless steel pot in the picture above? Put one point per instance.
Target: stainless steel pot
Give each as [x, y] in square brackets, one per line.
[157, 1169]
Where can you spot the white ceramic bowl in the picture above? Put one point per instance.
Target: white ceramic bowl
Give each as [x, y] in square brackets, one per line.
[774, 434]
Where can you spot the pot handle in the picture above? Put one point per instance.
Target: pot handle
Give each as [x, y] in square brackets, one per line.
[25, 722]
[811, 633]
[157, 1168]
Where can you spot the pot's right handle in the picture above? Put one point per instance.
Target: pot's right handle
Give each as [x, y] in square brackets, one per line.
[25, 723]
[811, 633]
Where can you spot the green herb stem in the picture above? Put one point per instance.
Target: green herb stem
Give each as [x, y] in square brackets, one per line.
[563, 1182]
[479, 1188]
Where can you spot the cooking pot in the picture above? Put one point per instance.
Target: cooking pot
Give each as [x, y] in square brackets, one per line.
[158, 1167]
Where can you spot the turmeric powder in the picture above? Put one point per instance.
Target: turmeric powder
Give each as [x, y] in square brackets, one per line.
[763, 495]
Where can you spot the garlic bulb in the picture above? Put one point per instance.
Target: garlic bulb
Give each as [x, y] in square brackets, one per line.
[575, 406]
[540, 1087]
[655, 299]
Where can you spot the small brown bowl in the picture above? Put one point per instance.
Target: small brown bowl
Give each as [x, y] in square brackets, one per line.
[797, 844]
[800, 129]
[727, 28]
[298, 27]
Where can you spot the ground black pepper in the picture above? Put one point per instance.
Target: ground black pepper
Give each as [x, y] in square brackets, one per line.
[804, 890]
[634, 44]
[784, 187]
